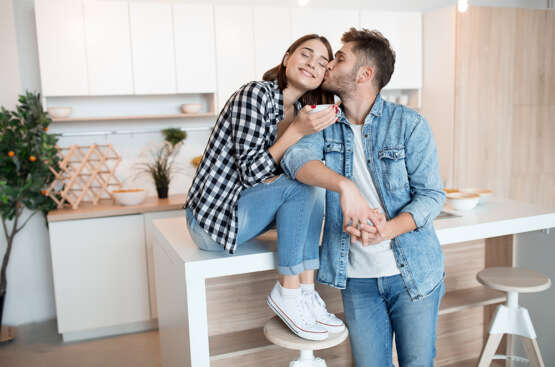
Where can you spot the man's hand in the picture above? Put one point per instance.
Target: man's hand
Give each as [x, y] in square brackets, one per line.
[369, 234]
[356, 211]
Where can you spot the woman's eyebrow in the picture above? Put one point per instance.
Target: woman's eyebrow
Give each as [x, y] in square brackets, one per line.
[311, 50]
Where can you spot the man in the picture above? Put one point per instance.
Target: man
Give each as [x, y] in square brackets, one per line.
[383, 192]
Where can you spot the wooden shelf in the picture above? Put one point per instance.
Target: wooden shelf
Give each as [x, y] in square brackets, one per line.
[471, 297]
[137, 117]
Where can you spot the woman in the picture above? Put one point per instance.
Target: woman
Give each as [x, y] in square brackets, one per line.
[239, 192]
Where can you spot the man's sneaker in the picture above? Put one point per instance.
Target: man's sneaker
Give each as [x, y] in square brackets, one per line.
[296, 315]
[318, 307]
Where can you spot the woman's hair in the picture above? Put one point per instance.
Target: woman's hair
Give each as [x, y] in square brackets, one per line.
[316, 96]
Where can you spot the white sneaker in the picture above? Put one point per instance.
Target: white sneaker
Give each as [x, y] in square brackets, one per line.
[318, 307]
[296, 315]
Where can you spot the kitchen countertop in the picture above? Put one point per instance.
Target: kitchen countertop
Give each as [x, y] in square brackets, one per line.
[107, 208]
[497, 217]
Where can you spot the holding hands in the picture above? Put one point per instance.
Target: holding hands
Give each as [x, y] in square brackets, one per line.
[363, 223]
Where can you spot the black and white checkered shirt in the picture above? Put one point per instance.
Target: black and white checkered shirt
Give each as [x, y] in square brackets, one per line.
[236, 157]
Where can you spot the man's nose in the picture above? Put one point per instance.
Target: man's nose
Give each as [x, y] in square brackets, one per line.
[330, 65]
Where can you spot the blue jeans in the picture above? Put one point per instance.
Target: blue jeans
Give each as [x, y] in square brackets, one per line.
[375, 308]
[294, 208]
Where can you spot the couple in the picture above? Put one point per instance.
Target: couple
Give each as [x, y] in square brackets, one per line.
[263, 167]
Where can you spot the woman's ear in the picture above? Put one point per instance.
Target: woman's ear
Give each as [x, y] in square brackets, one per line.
[285, 59]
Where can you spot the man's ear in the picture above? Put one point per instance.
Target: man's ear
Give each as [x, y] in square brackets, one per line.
[285, 59]
[366, 74]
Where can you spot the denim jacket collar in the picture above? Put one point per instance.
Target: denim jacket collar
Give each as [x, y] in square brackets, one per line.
[376, 110]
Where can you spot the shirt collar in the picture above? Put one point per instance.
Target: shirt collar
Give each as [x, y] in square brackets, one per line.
[376, 110]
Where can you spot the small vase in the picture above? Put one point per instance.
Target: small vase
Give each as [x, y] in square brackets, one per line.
[162, 192]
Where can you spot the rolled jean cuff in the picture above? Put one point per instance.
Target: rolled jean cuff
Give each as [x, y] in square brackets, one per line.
[311, 264]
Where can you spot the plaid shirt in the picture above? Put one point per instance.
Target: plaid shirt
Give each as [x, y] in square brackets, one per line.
[236, 157]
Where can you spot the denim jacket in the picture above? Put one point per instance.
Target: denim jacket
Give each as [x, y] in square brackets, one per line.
[402, 161]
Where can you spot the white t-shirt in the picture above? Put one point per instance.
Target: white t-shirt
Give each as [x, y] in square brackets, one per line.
[372, 261]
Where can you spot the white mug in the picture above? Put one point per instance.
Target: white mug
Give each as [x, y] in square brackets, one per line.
[320, 107]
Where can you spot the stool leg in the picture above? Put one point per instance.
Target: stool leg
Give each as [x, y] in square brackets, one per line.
[489, 350]
[532, 351]
[306, 359]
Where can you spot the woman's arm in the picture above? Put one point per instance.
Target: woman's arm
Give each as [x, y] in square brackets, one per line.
[305, 123]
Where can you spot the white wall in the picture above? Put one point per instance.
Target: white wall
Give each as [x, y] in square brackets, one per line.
[30, 292]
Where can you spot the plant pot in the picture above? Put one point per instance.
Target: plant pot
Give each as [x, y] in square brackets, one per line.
[162, 192]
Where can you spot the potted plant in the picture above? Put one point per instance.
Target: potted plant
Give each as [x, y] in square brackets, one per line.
[161, 168]
[26, 153]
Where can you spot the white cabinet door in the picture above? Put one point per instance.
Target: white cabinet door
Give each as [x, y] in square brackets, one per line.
[194, 48]
[149, 217]
[100, 272]
[272, 37]
[234, 49]
[61, 45]
[404, 32]
[108, 47]
[153, 47]
[331, 23]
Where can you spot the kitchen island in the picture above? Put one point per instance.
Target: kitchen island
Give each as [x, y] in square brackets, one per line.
[211, 306]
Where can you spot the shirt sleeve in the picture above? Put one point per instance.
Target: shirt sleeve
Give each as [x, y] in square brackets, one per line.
[309, 148]
[248, 118]
[426, 189]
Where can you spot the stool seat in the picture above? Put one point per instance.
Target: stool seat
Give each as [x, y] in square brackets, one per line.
[279, 334]
[510, 279]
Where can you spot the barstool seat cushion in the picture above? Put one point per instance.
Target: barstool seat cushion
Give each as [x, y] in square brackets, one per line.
[279, 334]
[509, 279]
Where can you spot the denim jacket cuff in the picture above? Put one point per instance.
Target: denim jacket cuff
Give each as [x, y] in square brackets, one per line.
[294, 159]
[419, 219]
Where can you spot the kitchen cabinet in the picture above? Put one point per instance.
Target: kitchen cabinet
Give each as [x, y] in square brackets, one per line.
[108, 47]
[153, 51]
[235, 49]
[272, 37]
[61, 45]
[102, 264]
[331, 23]
[194, 48]
[100, 272]
[404, 32]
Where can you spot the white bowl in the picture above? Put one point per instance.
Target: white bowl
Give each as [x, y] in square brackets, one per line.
[59, 112]
[484, 194]
[129, 196]
[191, 107]
[462, 200]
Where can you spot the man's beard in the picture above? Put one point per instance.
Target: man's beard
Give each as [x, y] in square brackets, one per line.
[342, 86]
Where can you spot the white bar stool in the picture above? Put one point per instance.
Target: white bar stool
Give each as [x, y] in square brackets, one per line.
[279, 334]
[511, 318]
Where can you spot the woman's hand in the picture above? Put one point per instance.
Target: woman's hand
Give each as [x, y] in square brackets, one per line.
[307, 123]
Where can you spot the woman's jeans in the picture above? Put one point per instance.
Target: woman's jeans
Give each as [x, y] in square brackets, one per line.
[375, 308]
[294, 208]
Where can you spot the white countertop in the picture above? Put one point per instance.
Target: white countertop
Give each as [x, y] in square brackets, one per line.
[497, 217]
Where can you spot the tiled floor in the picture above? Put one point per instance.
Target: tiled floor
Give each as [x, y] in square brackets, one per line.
[39, 345]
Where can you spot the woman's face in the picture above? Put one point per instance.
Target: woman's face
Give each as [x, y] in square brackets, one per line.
[306, 66]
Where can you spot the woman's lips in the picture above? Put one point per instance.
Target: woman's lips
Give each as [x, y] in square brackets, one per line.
[307, 73]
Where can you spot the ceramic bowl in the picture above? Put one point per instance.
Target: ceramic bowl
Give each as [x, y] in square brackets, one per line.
[129, 196]
[462, 200]
[59, 112]
[191, 107]
[484, 194]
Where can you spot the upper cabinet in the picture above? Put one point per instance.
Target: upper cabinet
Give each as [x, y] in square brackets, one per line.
[234, 49]
[404, 32]
[194, 48]
[330, 23]
[153, 47]
[272, 37]
[108, 47]
[61, 43]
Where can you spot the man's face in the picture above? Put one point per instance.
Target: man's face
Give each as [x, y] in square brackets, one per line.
[342, 71]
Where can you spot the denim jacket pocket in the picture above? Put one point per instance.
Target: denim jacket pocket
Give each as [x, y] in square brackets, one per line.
[330, 147]
[394, 167]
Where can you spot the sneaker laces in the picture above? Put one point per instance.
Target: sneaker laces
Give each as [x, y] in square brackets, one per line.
[316, 304]
[304, 312]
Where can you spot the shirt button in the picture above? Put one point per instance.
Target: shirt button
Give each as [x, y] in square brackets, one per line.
[366, 135]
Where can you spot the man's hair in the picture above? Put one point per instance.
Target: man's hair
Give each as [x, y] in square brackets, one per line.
[372, 48]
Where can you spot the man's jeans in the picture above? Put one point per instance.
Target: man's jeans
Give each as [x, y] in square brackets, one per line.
[294, 208]
[375, 308]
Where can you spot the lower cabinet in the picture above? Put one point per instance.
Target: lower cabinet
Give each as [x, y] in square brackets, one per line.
[102, 270]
